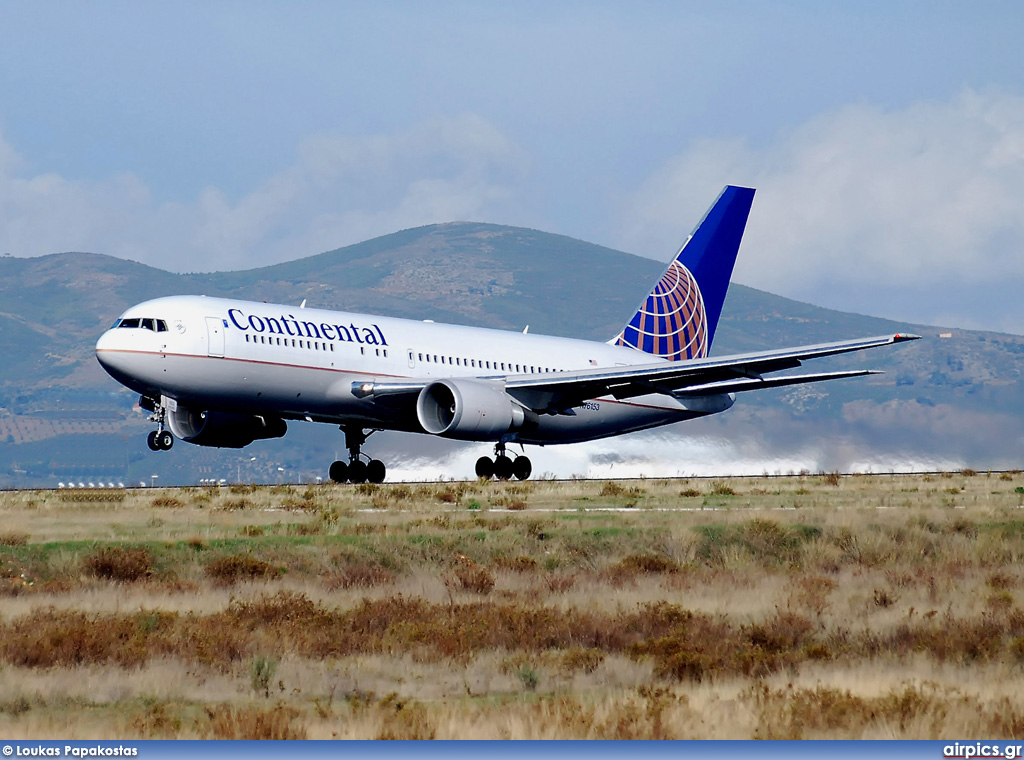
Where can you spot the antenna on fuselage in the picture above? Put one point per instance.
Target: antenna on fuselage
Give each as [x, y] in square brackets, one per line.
[303, 304]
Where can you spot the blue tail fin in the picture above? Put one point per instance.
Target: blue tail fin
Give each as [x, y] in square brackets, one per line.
[678, 319]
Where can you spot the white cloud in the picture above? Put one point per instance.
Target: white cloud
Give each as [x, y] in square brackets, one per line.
[340, 190]
[927, 194]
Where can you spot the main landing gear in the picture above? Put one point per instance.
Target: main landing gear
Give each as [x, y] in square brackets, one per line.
[502, 467]
[356, 470]
[159, 439]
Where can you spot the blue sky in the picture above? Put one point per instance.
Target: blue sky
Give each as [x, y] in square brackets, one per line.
[886, 139]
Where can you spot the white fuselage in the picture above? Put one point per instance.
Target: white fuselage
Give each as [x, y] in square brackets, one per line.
[297, 363]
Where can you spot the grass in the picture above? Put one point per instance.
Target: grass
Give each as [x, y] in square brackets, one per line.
[802, 607]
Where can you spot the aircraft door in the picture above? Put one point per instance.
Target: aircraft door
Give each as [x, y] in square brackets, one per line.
[215, 336]
[412, 359]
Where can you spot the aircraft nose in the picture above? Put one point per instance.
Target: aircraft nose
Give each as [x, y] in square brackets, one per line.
[110, 354]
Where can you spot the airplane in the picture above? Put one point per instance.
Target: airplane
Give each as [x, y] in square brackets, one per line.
[224, 373]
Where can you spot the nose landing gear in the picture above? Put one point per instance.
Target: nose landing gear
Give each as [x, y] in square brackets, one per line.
[159, 439]
[502, 467]
[356, 470]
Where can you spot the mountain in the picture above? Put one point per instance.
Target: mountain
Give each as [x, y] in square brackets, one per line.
[952, 398]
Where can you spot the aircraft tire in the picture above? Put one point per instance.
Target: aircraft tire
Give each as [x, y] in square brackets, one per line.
[357, 472]
[165, 440]
[152, 442]
[376, 471]
[522, 468]
[485, 468]
[338, 472]
[503, 468]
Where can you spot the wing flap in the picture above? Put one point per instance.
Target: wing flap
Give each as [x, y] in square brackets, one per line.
[754, 384]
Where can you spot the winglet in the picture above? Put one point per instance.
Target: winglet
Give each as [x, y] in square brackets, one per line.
[678, 318]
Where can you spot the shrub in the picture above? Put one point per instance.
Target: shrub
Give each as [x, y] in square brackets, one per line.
[119, 563]
[884, 599]
[361, 575]
[473, 577]
[261, 673]
[13, 538]
[239, 567]
[641, 564]
[559, 583]
[586, 660]
[720, 488]
[448, 495]
[611, 488]
[276, 723]
[519, 564]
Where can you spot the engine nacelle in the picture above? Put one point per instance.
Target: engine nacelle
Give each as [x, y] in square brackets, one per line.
[223, 429]
[468, 410]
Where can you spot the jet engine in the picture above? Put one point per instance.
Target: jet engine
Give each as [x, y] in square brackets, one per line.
[223, 429]
[468, 410]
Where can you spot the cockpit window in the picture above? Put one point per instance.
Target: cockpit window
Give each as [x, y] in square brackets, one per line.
[156, 325]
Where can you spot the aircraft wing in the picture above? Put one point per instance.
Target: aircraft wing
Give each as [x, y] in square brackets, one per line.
[558, 393]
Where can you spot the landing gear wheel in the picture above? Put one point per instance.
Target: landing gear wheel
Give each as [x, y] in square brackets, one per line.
[522, 468]
[357, 472]
[165, 440]
[151, 440]
[502, 467]
[485, 468]
[376, 471]
[339, 472]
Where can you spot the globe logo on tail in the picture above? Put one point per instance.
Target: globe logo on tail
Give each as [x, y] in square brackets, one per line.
[671, 323]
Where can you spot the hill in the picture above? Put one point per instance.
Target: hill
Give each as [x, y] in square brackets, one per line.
[951, 399]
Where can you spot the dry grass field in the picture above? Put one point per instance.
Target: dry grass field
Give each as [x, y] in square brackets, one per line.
[809, 606]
